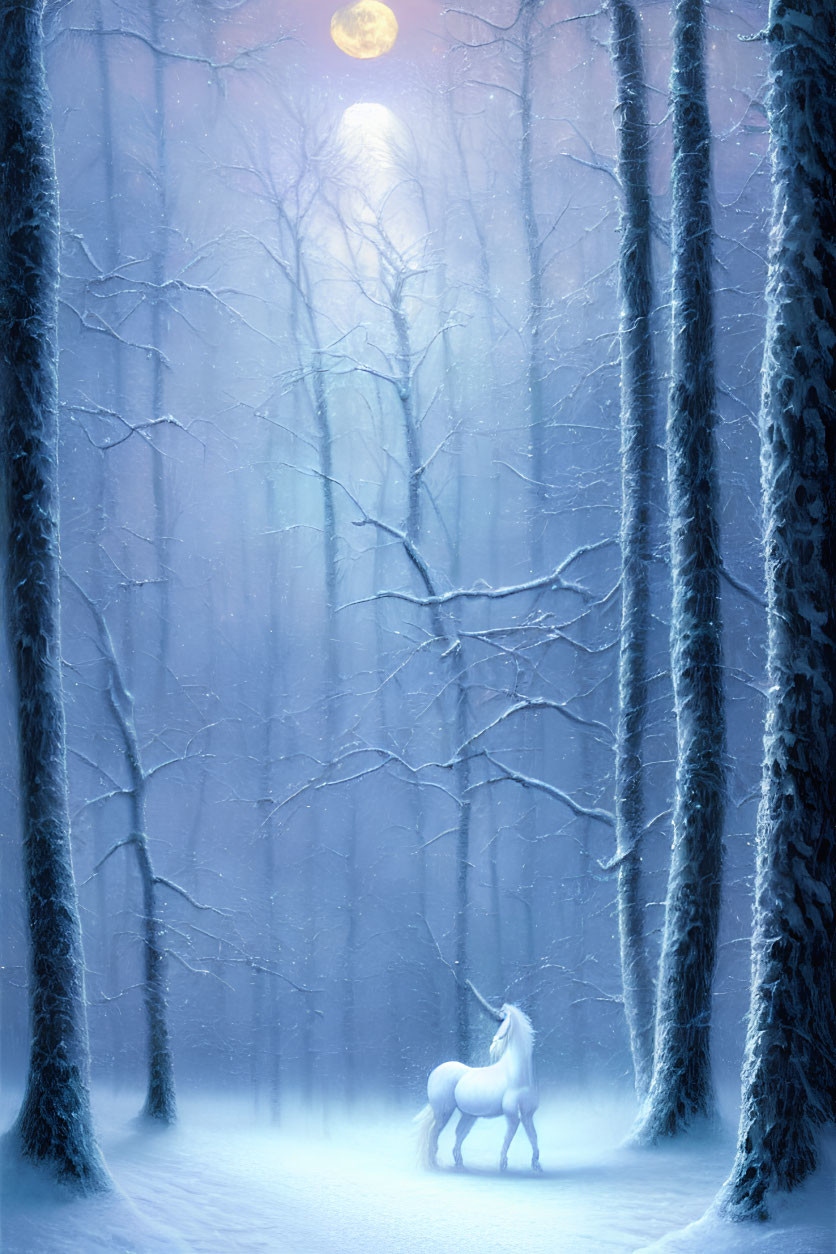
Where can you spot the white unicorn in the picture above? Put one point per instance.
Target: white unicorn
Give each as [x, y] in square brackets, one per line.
[506, 1087]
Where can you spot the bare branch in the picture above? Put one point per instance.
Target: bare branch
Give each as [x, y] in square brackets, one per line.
[528, 781]
[176, 888]
[553, 581]
[236, 62]
[538, 703]
[129, 840]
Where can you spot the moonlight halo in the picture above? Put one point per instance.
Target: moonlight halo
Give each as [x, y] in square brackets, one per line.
[364, 29]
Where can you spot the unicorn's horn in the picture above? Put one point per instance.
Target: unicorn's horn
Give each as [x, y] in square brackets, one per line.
[486, 1005]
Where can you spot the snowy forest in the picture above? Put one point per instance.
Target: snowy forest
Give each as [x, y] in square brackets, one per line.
[419, 574]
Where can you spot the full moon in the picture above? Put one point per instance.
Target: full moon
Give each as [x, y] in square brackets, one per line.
[364, 29]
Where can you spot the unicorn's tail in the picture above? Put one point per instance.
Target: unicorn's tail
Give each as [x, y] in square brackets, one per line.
[424, 1122]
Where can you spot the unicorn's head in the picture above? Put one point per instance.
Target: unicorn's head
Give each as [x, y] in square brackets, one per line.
[516, 1029]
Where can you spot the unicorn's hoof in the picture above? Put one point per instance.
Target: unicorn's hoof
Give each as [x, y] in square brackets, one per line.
[503, 1164]
[536, 1168]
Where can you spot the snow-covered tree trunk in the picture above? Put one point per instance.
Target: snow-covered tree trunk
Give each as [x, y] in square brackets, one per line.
[444, 631]
[680, 1090]
[275, 685]
[406, 397]
[462, 776]
[535, 314]
[107, 960]
[351, 949]
[54, 1125]
[789, 1077]
[160, 1101]
[322, 417]
[637, 431]
[159, 253]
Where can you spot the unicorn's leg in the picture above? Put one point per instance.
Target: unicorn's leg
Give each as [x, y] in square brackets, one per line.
[440, 1121]
[513, 1124]
[462, 1128]
[528, 1124]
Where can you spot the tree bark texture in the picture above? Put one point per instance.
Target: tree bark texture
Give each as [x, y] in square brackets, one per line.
[160, 1101]
[461, 775]
[54, 1126]
[159, 328]
[789, 1077]
[537, 422]
[680, 1090]
[406, 396]
[637, 435]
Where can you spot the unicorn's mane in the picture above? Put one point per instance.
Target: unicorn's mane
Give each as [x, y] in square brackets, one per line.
[522, 1024]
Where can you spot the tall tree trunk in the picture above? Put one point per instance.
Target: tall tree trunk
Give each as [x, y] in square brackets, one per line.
[274, 693]
[496, 902]
[406, 397]
[108, 961]
[680, 1090]
[533, 248]
[159, 252]
[309, 1036]
[534, 741]
[310, 358]
[274, 1019]
[160, 1102]
[789, 1077]
[350, 953]
[54, 1125]
[637, 433]
[462, 774]
[322, 417]
[494, 818]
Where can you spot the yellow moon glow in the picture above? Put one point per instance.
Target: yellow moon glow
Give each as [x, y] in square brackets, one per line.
[364, 29]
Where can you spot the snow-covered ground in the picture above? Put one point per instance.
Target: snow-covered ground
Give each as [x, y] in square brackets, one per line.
[226, 1182]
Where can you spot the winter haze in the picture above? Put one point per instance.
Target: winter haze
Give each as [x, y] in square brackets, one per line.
[444, 494]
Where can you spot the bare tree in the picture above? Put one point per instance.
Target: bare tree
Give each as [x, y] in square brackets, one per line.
[160, 181]
[54, 1126]
[160, 1101]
